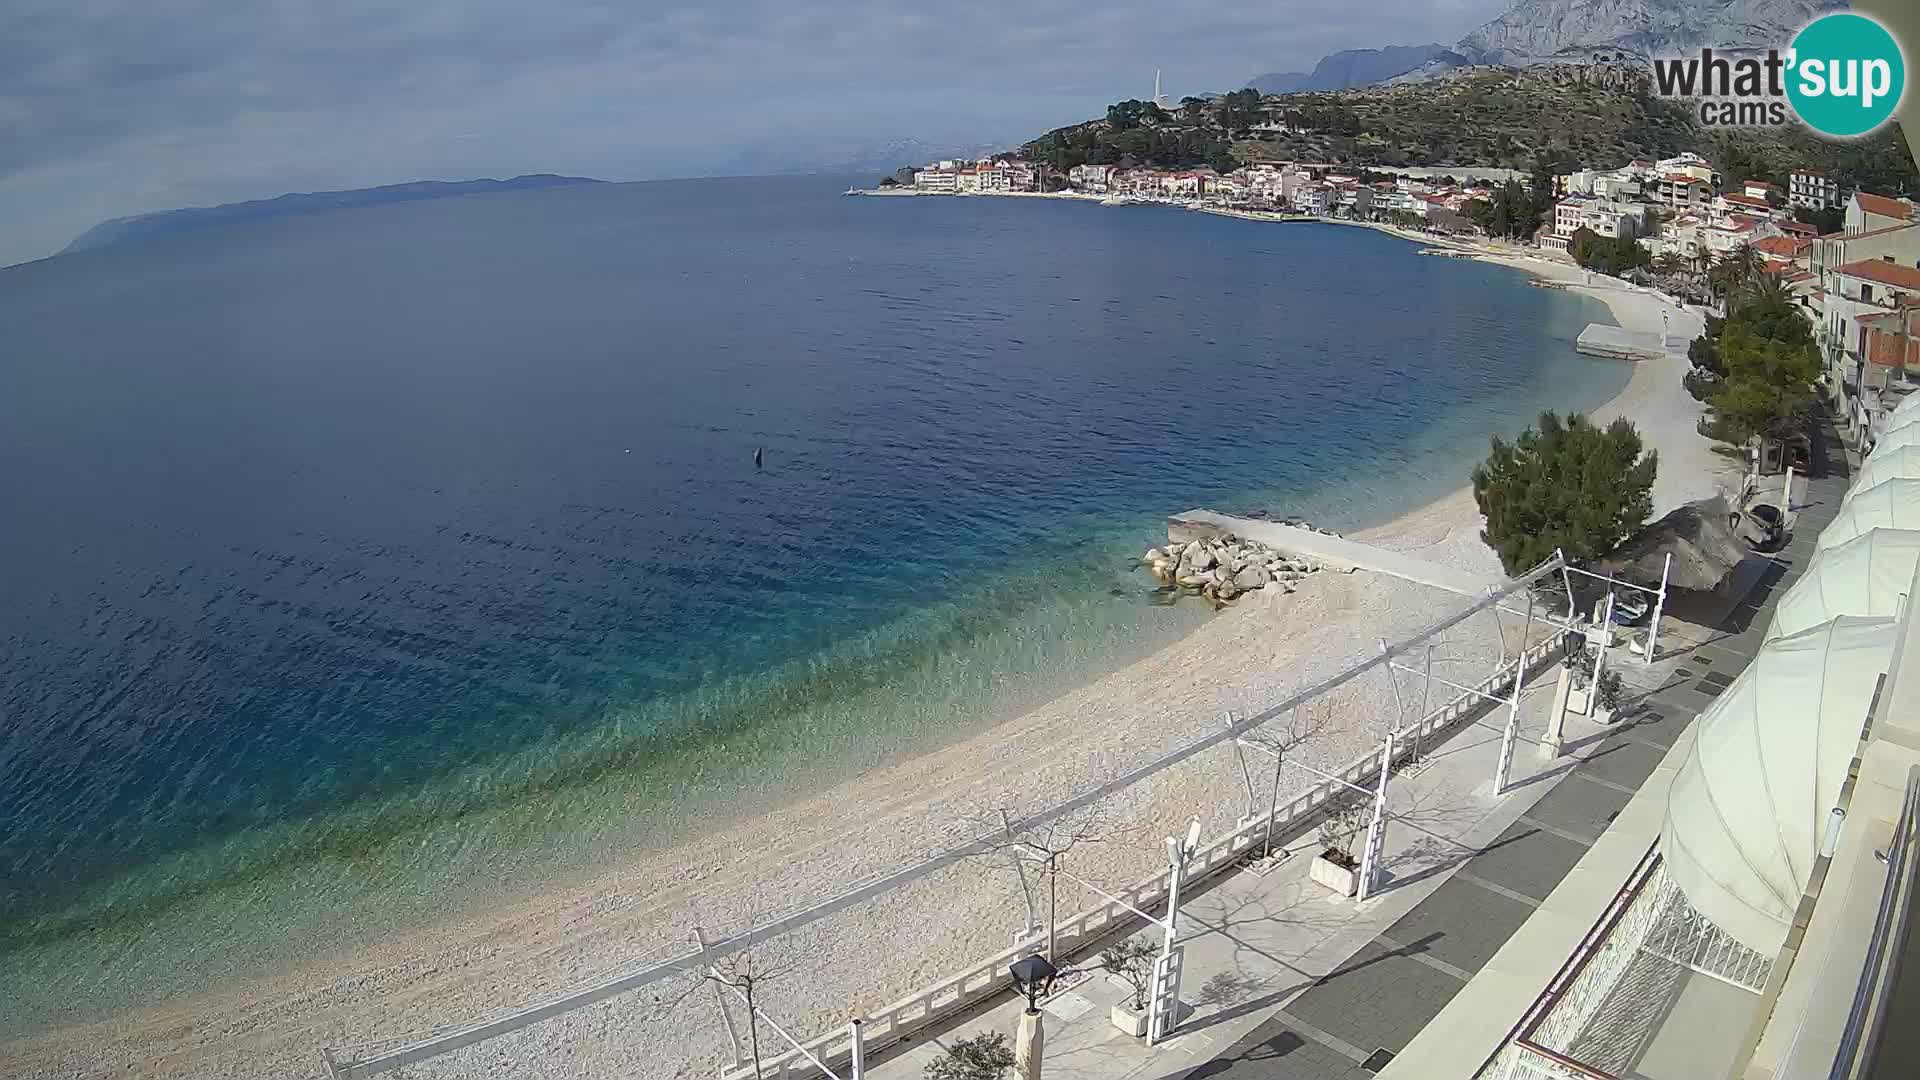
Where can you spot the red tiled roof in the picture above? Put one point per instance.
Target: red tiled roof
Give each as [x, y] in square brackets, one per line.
[1769, 185]
[1782, 247]
[1883, 206]
[1799, 228]
[1748, 200]
[1886, 273]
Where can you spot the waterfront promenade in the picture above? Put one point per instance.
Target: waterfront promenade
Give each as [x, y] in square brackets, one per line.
[1285, 981]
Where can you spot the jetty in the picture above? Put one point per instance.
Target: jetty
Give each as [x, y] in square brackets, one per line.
[1327, 550]
[1616, 344]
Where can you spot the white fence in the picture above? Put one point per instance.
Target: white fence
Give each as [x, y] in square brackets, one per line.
[989, 976]
[356, 1062]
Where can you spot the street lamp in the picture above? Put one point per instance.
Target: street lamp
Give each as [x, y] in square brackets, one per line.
[1032, 976]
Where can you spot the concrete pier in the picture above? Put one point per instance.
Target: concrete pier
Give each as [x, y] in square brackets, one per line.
[1333, 552]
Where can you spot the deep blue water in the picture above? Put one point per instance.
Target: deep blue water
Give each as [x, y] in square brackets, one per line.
[343, 553]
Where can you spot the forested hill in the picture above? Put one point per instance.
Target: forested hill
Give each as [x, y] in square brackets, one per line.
[1597, 115]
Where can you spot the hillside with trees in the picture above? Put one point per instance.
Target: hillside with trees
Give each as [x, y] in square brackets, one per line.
[1561, 117]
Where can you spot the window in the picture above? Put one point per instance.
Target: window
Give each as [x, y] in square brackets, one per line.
[1866, 293]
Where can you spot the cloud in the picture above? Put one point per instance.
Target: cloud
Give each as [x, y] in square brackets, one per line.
[110, 108]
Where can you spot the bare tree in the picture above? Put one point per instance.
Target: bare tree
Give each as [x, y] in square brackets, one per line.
[1046, 846]
[1279, 741]
[740, 975]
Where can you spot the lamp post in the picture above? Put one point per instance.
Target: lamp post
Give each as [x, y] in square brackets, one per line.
[1032, 976]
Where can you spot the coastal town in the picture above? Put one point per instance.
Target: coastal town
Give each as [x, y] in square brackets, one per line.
[1850, 259]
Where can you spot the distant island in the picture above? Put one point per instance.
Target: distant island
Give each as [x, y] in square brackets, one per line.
[121, 230]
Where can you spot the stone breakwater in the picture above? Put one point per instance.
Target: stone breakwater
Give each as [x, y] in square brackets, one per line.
[1221, 568]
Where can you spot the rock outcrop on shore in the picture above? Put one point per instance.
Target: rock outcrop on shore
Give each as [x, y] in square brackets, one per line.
[1224, 567]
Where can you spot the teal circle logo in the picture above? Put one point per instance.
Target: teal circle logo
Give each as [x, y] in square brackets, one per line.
[1845, 74]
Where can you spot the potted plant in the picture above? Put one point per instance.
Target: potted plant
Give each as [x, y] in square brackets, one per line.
[1607, 697]
[1131, 961]
[1335, 866]
[1578, 660]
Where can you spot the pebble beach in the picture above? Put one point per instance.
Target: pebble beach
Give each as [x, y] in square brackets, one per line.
[1247, 656]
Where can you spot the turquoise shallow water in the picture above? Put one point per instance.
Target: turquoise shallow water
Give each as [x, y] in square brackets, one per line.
[384, 561]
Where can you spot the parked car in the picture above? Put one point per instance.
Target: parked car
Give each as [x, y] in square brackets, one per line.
[1762, 524]
[1631, 607]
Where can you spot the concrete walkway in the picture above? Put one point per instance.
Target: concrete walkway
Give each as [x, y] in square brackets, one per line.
[1336, 552]
[1285, 980]
[1369, 1008]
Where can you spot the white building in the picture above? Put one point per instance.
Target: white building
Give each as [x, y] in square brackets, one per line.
[937, 180]
[1867, 212]
[1812, 188]
[1615, 220]
[1090, 177]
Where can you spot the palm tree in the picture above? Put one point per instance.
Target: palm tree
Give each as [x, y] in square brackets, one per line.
[1733, 274]
[1701, 257]
[1670, 263]
[1771, 290]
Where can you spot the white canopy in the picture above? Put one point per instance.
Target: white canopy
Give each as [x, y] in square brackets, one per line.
[1891, 504]
[1864, 576]
[1903, 417]
[1907, 434]
[1750, 803]
[1898, 463]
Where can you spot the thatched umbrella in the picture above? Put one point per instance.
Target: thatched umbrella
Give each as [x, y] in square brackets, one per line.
[1701, 538]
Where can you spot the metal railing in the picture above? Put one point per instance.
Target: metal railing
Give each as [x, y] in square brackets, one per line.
[386, 1055]
[968, 986]
[1867, 1019]
[1539, 1043]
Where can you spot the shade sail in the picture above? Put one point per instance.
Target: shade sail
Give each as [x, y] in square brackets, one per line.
[1899, 463]
[1750, 803]
[1864, 576]
[1890, 504]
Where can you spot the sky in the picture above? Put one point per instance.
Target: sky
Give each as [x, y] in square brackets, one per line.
[117, 107]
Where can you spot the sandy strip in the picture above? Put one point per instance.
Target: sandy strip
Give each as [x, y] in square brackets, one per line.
[1249, 656]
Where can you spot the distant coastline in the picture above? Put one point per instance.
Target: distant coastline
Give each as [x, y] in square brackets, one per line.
[122, 230]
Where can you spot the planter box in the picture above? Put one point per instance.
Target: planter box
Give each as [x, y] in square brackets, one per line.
[1579, 700]
[1338, 878]
[1133, 1023]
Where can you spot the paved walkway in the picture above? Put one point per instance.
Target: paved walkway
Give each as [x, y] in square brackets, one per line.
[1339, 552]
[1284, 981]
[1351, 1023]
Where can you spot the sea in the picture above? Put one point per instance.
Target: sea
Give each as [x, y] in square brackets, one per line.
[365, 567]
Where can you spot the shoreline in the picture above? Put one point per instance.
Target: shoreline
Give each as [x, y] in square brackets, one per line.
[469, 966]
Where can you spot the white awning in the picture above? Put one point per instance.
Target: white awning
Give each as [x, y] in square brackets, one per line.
[1898, 418]
[1749, 805]
[1866, 576]
[1907, 434]
[1899, 463]
[1891, 504]
[1909, 406]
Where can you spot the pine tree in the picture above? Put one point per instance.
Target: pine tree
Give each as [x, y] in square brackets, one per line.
[1568, 486]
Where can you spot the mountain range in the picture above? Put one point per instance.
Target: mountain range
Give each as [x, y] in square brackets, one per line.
[1573, 31]
[1351, 67]
[120, 230]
